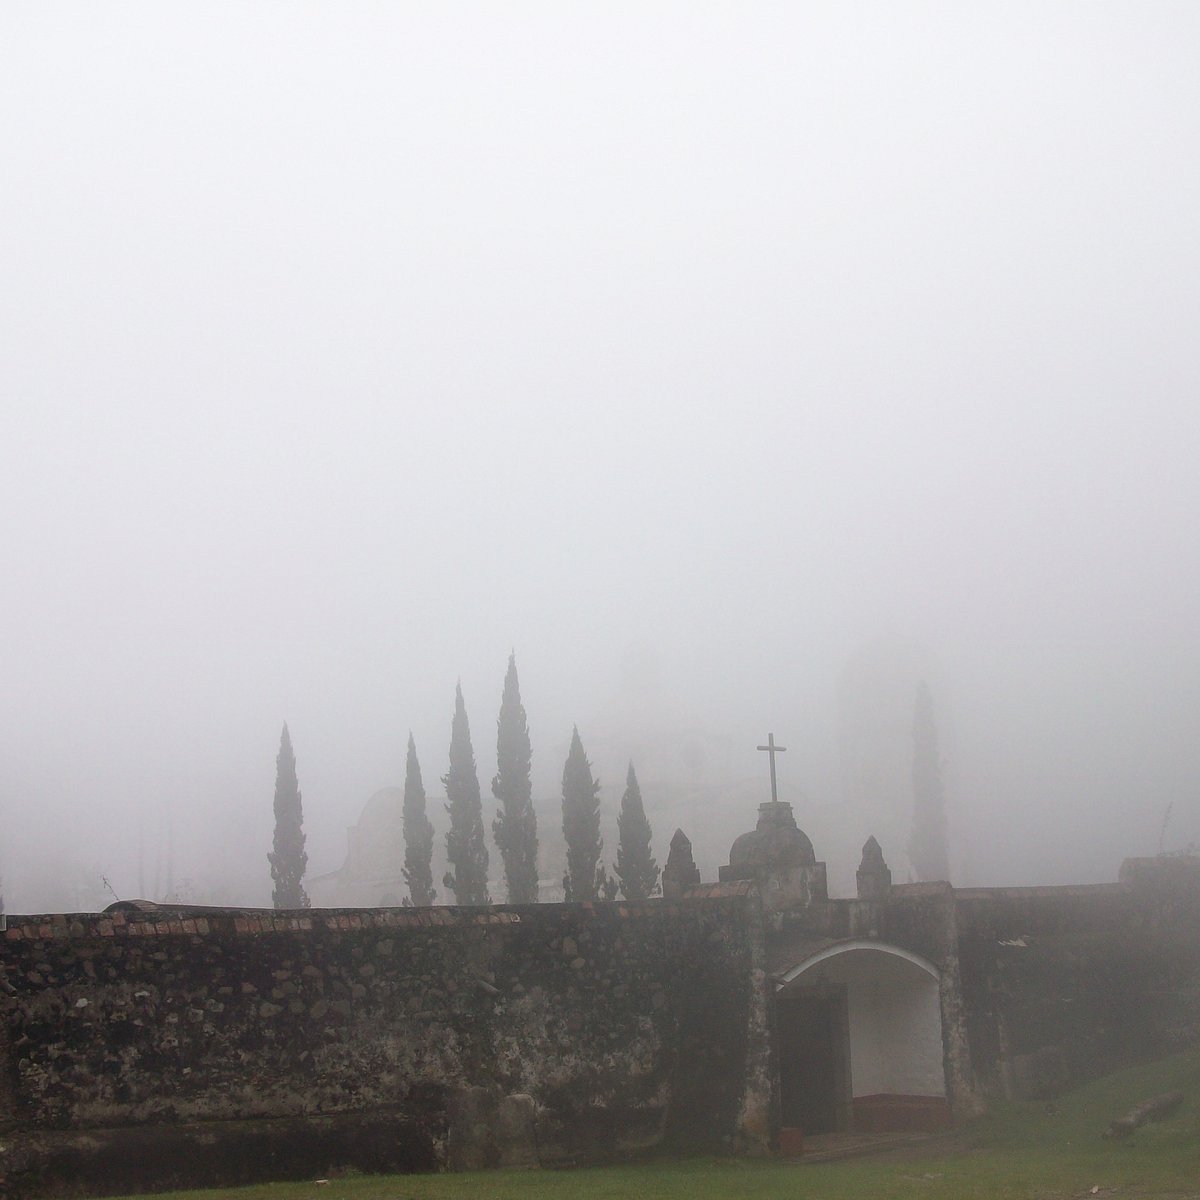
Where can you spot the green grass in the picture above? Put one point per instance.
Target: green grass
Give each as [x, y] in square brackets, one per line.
[1019, 1152]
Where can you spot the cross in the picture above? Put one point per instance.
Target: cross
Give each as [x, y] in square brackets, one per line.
[773, 750]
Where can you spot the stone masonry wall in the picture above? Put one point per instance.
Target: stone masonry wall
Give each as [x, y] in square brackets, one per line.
[1041, 988]
[1063, 984]
[920, 918]
[617, 1027]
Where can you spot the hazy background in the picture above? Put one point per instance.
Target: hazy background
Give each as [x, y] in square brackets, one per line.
[735, 363]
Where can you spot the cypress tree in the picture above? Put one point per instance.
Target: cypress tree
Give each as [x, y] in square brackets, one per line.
[635, 866]
[465, 847]
[418, 834]
[288, 859]
[515, 826]
[927, 848]
[581, 823]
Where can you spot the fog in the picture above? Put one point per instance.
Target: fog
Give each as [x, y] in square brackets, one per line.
[738, 365]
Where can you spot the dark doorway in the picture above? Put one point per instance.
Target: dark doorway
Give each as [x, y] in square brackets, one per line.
[811, 1038]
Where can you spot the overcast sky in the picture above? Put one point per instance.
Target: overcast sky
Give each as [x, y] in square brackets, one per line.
[689, 349]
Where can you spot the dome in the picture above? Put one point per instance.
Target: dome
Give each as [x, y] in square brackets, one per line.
[381, 813]
[775, 841]
[376, 842]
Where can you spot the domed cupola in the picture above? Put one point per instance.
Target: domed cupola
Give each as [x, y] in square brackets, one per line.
[777, 854]
[776, 841]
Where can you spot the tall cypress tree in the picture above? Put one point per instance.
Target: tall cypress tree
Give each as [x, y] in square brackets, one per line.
[465, 847]
[635, 866]
[288, 859]
[927, 847]
[581, 823]
[418, 834]
[515, 826]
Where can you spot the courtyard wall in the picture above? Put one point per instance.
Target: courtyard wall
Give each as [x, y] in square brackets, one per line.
[551, 1033]
[1041, 988]
[1061, 984]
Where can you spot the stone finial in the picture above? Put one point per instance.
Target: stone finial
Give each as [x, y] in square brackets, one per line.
[874, 878]
[681, 871]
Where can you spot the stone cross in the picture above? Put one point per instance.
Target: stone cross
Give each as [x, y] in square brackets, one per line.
[773, 750]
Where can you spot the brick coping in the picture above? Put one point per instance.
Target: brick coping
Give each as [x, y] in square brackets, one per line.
[170, 922]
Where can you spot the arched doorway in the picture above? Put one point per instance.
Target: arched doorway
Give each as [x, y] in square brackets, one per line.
[859, 1041]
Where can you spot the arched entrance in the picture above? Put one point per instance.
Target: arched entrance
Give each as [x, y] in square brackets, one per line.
[859, 1041]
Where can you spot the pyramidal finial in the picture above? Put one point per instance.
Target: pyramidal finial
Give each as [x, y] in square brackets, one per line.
[681, 871]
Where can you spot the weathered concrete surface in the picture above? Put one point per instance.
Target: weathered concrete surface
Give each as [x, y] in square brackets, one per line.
[627, 1026]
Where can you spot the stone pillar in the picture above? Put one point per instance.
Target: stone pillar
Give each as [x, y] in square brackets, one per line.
[758, 1119]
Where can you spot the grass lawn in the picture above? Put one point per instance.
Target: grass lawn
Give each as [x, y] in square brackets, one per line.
[1029, 1151]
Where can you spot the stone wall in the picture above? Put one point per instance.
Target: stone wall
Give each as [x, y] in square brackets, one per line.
[1044, 987]
[920, 918]
[1063, 984]
[551, 1033]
